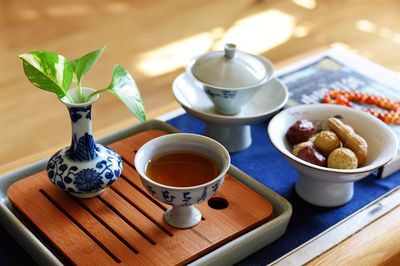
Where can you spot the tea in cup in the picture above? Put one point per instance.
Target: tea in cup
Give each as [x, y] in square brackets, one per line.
[182, 170]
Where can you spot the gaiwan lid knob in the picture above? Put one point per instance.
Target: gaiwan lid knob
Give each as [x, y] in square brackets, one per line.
[231, 68]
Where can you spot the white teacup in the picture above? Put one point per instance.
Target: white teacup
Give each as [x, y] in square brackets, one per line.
[182, 214]
[230, 77]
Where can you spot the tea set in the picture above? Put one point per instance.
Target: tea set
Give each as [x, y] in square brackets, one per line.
[229, 90]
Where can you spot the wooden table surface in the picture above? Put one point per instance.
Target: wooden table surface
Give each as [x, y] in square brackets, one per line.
[153, 40]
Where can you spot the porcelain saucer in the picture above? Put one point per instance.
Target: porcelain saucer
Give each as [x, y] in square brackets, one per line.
[232, 131]
[269, 99]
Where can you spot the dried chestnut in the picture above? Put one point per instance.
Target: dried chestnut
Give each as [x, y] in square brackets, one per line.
[309, 154]
[326, 141]
[342, 158]
[300, 131]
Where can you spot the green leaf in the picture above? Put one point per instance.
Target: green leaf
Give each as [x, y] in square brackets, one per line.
[124, 87]
[48, 71]
[82, 65]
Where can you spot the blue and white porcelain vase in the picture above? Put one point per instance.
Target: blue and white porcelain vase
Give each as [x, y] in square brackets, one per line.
[85, 168]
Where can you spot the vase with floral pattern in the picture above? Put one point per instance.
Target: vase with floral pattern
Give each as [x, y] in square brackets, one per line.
[85, 168]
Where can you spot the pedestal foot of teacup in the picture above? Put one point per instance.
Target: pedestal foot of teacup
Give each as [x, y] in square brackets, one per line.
[323, 193]
[234, 138]
[86, 195]
[182, 217]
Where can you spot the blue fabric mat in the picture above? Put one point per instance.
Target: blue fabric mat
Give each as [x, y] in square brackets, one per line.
[265, 164]
[268, 166]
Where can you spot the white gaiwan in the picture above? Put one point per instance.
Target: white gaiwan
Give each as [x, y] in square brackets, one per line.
[329, 187]
[230, 77]
[230, 90]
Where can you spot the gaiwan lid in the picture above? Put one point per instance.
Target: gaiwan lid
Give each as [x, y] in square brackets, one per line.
[231, 69]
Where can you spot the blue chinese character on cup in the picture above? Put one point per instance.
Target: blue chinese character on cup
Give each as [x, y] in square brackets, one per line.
[167, 197]
[203, 195]
[186, 198]
[151, 190]
[216, 186]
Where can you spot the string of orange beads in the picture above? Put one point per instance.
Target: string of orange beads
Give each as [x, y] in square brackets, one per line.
[391, 109]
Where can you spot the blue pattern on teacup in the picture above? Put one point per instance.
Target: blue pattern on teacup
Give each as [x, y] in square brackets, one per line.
[203, 195]
[151, 190]
[186, 198]
[183, 197]
[226, 94]
[168, 198]
[216, 185]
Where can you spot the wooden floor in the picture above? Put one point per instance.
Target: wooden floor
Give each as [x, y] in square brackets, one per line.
[153, 39]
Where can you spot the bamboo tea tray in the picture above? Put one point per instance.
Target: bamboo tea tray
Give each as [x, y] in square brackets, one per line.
[125, 225]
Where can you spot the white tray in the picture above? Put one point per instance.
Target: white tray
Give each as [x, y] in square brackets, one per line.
[229, 253]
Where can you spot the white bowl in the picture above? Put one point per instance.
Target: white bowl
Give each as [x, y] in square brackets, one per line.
[324, 186]
[182, 214]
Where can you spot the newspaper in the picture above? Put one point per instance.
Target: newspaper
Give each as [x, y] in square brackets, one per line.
[309, 79]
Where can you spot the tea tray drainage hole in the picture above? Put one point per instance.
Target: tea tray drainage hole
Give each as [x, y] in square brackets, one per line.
[218, 203]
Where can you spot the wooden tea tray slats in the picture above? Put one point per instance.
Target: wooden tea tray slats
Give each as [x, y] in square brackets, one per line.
[99, 229]
[125, 225]
[236, 202]
[129, 213]
[76, 243]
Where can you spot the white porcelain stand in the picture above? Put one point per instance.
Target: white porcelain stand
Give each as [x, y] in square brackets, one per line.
[182, 217]
[234, 138]
[232, 131]
[324, 193]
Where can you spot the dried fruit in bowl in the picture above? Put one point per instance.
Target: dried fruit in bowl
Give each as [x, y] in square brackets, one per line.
[298, 147]
[300, 131]
[342, 158]
[350, 139]
[309, 154]
[326, 141]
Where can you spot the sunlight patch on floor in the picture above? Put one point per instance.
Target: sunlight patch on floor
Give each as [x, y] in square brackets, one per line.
[366, 26]
[396, 38]
[116, 7]
[301, 31]
[383, 32]
[68, 10]
[175, 55]
[340, 45]
[254, 34]
[29, 14]
[72, 10]
[260, 33]
[308, 4]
